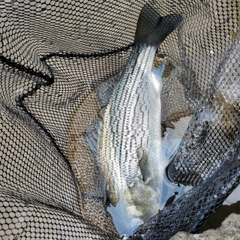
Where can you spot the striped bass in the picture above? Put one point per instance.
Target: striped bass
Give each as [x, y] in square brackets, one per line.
[130, 140]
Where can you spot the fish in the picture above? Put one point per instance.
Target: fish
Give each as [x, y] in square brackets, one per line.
[130, 138]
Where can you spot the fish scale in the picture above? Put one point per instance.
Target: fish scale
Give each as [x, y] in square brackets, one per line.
[130, 138]
[124, 125]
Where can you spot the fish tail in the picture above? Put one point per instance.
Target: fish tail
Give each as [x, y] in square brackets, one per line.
[152, 28]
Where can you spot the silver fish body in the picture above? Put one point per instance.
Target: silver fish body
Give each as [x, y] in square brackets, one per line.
[130, 142]
[131, 133]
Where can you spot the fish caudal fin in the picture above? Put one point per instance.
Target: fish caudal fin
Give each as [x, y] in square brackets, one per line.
[152, 28]
[147, 21]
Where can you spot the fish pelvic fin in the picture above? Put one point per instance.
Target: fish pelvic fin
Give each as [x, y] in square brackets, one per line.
[153, 28]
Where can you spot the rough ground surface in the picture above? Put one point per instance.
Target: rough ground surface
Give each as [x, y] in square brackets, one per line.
[230, 230]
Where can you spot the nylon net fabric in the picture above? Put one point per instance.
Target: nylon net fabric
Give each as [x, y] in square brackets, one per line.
[60, 61]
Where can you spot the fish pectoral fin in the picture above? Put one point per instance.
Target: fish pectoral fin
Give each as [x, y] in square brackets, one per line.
[144, 166]
[149, 181]
[112, 192]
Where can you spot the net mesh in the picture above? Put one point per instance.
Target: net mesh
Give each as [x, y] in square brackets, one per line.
[59, 63]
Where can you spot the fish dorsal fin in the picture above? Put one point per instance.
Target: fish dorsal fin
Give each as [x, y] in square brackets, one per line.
[92, 138]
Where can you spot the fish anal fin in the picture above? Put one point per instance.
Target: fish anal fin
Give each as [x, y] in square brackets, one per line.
[158, 72]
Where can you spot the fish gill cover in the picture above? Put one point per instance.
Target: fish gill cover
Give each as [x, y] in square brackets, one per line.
[62, 61]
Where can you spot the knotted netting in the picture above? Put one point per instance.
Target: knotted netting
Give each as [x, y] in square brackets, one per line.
[59, 63]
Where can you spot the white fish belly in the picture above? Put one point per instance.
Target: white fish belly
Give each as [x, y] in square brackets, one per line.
[154, 152]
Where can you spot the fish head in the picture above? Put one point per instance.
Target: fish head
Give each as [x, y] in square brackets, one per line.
[143, 200]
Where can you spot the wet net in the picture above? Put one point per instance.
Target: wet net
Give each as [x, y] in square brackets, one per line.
[59, 63]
